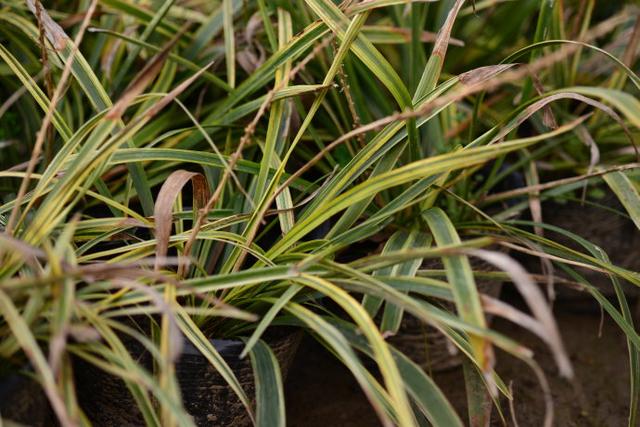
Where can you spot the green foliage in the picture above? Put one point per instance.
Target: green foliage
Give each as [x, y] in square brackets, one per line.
[214, 169]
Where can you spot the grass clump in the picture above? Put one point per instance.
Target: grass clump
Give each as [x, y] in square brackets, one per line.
[175, 172]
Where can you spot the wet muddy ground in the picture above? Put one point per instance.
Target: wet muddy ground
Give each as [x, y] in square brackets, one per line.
[320, 392]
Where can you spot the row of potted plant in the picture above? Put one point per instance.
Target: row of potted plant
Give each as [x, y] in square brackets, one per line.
[196, 185]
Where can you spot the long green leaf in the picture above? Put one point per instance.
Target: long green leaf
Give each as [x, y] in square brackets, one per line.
[424, 391]
[270, 411]
[460, 276]
[627, 193]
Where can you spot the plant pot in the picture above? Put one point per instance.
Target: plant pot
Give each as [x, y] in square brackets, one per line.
[615, 234]
[23, 401]
[427, 346]
[206, 395]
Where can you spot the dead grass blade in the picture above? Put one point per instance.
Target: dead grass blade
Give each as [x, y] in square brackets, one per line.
[167, 196]
[536, 302]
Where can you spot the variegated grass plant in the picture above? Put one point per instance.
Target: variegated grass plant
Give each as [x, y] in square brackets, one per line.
[223, 167]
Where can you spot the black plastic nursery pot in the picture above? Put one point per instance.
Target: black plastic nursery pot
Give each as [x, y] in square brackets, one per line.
[206, 396]
[616, 234]
[23, 401]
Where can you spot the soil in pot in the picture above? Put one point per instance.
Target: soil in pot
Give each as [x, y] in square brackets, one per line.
[206, 395]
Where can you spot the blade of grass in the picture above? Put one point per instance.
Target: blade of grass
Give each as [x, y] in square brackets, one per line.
[27, 341]
[627, 193]
[270, 411]
[203, 344]
[84, 75]
[432, 71]
[158, 17]
[229, 42]
[465, 292]
[424, 391]
[339, 344]
[388, 368]
[57, 95]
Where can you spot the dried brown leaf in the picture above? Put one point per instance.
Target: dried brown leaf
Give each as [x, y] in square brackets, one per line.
[548, 118]
[167, 196]
[535, 301]
[444, 35]
[54, 32]
[482, 74]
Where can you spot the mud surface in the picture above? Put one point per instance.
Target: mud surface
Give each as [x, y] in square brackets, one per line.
[320, 392]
